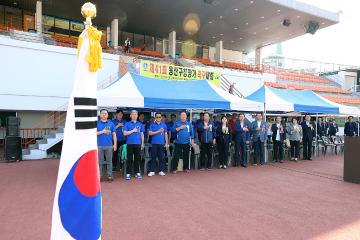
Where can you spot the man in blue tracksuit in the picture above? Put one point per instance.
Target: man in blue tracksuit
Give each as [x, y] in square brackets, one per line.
[242, 137]
[184, 137]
[159, 139]
[207, 130]
[119, 123]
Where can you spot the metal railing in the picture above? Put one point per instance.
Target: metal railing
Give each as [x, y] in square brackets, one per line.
[30, 135]
[225, 85]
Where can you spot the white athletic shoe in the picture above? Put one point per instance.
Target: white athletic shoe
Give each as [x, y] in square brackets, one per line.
[151, 174]
[162, 173]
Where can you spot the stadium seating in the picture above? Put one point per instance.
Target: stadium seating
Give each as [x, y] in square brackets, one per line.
[343, 100]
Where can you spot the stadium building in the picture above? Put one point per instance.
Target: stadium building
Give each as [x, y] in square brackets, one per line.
[38, 51]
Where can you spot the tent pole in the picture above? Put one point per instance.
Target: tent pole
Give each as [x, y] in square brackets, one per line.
[358, 126]
[265, 143]
[316, 132]
[190, 139]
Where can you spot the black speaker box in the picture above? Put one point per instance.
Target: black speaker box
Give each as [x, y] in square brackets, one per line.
[13, 148]
[12, 126]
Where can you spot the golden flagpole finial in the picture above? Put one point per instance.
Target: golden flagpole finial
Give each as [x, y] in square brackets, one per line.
[88, 11]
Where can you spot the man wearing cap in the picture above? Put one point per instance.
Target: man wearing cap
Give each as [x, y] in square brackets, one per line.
[208, 135]
[119, 123]
[159, 140]
[351, 128]
[184, 137]
[106, 141]
[134, 133]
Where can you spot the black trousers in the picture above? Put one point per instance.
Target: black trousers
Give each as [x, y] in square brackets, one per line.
[307, 148]
[259, 151]
[223, 149]
[206, 150]
[133, 156]
[183, 151]
[157, 151]
[116, 155]
[294, 149]
[240, 155]
[278, 148]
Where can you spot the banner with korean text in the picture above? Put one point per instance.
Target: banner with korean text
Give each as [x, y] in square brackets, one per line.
[166, 71]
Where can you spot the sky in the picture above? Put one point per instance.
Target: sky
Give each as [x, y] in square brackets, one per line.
[339, 43]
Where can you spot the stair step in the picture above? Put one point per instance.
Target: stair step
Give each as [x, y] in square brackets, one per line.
[60, 130]
[34, 146]
[50, 135]
[26, 152]
[41, 141]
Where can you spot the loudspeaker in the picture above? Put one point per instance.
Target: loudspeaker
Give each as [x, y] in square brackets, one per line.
[312, 27]
[13, 148]
[286, 22]
[351, 160]
[12, 126]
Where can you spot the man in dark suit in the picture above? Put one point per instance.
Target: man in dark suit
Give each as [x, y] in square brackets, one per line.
[321, 128]
[278, 137]
[351, 128]
[242, 137]
[308, 134]
[258, 133]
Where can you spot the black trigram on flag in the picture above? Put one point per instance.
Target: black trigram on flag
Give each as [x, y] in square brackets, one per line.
[85, 113]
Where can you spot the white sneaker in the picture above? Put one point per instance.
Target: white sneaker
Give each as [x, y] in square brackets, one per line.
[296, 159]
[224, 166]
[162, 173]
[151, 174]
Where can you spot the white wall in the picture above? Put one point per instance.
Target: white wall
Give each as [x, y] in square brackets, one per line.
[350, 79]
[233, 56]
[40, 70]
[35, 119]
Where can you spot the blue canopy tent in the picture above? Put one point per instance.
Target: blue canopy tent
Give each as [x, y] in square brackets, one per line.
[305, 101]
[136, 91]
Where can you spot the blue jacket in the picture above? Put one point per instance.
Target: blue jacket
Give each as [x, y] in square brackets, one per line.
[207, 135]
[120, 130]
[240, 133]
[184, 136]
[255, 134]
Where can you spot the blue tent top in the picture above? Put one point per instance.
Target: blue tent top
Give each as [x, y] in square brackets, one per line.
[136, 91]
[306, 101]
[177, 94]
[292, 100]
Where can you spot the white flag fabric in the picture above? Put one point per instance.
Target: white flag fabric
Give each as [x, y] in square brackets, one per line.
[77, 210]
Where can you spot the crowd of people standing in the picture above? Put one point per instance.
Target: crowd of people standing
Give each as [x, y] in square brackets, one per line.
[209, 133]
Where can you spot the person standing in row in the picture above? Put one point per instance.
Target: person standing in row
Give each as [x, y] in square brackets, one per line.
[223, 140]
[119, 123]
[321, 128]
[295, 135]
[351, 128]
[159, 140]
[258, 130]
[278, 138]
[206, 128]
[106, 141]
[333, 128]
[172, 132]
[242, 137]
[184, 137]
[134, 133]
[307, 129]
